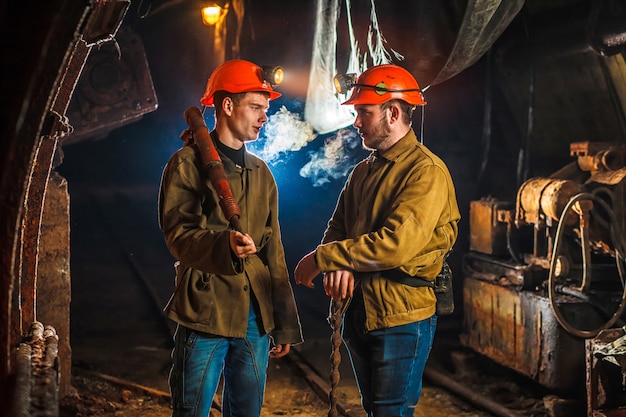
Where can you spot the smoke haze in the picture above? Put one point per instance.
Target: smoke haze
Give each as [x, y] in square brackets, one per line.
[333, 160]
[286, 132]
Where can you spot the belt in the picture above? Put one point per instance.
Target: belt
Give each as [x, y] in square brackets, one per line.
[397, 276]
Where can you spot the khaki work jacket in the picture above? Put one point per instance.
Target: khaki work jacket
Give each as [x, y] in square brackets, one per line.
[396, 211]
[213, 288]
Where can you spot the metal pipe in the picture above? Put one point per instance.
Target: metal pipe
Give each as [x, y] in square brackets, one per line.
[21, 395]
[213, 165]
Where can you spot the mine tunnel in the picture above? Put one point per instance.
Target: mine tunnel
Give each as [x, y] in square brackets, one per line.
[526, 104]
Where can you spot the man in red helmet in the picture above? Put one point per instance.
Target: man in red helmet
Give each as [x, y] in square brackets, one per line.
[233, 303]
[394, 223]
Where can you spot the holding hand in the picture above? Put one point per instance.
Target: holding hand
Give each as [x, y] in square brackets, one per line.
[280, 350]
[339, 284]
[241, 244]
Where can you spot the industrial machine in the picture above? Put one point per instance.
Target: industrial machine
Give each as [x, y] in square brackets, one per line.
[546, 273]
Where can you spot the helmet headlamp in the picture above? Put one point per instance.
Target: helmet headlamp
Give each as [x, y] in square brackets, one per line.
[379, 84]
[274, 75]
[344, 82]
[241, 76]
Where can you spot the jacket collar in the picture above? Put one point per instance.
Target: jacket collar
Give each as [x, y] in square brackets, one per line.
[249, 159]
[400, 147]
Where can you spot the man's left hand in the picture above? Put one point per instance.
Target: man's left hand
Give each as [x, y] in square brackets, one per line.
[307, 270]
[279, 351]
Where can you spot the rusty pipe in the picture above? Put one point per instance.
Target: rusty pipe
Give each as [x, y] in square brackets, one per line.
[540, 198]
[36, 382]
[213, 164]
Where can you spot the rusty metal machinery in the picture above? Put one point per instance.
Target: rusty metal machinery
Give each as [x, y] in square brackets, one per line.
[546, 273]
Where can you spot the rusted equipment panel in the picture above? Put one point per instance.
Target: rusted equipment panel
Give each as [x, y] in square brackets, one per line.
[487, 231]
[115, 88]
[546, 274]
[517, 329]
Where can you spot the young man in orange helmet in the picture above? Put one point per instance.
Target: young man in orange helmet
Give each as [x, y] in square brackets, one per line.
[233, 299]
[394, 223]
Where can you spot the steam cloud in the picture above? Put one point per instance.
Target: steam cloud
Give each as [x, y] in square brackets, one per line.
[286, 132]
[333, 160]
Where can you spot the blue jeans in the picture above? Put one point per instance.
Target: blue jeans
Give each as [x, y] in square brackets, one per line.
[200, 359]
[388, 363]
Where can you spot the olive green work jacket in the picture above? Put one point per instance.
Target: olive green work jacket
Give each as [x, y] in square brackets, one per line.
[396, 210]
[213, 288]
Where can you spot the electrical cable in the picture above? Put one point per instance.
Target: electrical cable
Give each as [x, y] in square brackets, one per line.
[422, 126]
[487, 119]
[618, 241]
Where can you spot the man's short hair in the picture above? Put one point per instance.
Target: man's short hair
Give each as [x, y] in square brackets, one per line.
[405, 108]
[237, 98]
[219, 97]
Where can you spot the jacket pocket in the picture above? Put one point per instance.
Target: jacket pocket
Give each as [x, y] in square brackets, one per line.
[267, 234]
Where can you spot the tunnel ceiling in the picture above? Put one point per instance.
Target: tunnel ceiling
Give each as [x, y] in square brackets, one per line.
[554, 60]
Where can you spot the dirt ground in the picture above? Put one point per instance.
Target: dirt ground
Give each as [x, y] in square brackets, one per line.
[99, 396]
[121, 342]
[110, 379]
[288, 394]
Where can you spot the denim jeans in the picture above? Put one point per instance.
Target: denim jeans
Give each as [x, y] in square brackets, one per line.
[200, 359]
[388, 363]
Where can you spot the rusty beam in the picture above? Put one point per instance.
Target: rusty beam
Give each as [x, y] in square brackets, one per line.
[32, 228]
[39, 49]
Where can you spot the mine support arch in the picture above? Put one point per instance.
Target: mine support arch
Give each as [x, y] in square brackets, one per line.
[53, 46]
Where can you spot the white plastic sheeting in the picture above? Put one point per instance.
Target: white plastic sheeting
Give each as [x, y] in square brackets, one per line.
[323, 109]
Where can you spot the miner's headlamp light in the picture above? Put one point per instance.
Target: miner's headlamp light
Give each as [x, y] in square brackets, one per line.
[274, 75]
[344, 82]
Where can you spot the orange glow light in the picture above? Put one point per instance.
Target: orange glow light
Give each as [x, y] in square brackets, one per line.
[211, 14]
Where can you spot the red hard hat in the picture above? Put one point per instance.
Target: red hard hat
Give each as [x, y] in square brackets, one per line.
[237, 76]
[386, 82]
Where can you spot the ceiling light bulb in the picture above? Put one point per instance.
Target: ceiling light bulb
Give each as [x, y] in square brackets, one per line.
[211, 14]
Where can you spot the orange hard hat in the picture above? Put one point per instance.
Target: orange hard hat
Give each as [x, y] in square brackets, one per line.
[238, 76]
[386, 82]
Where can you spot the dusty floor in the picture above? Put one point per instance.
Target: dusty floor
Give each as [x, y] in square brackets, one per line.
[113, 378]
[121, 279]
[98, 395]
[288, 394]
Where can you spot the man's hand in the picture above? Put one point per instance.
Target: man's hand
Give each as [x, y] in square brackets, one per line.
[339, 284]
[241, 244]
[279, 351]
[307, 270]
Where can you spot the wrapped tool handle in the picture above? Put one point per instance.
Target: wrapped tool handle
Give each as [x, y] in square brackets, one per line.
[214, 167]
